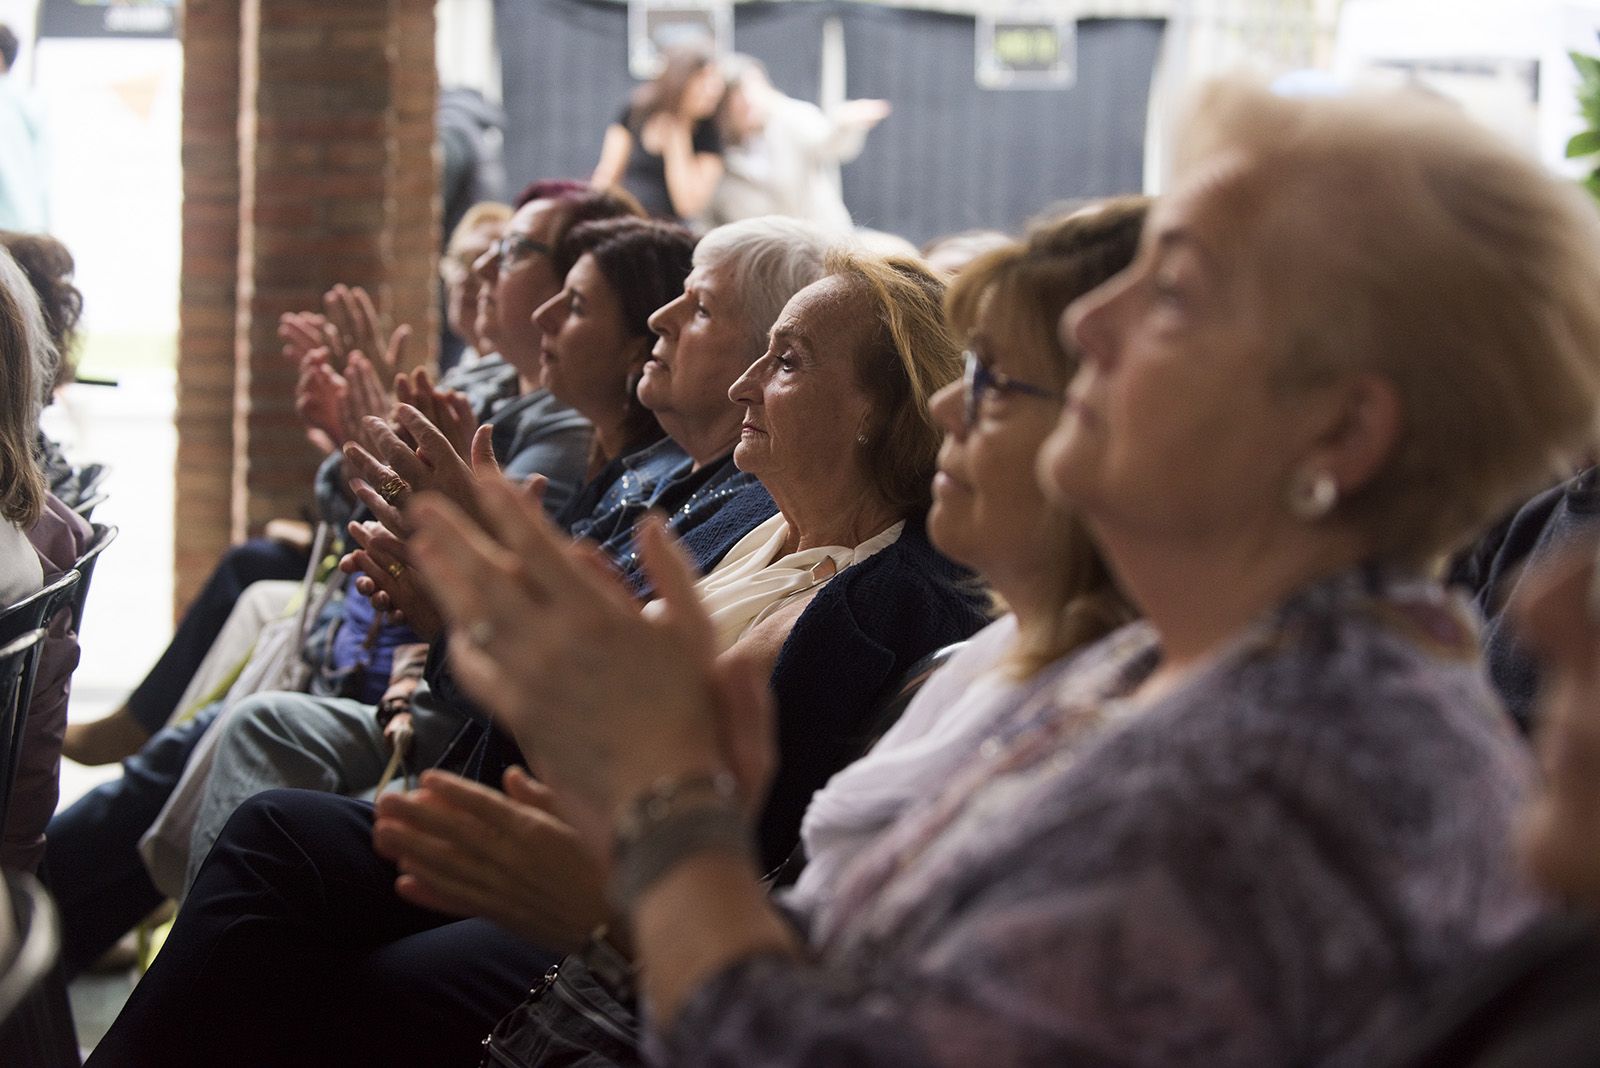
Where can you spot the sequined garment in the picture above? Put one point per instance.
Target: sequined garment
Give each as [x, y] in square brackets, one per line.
[1278, 862]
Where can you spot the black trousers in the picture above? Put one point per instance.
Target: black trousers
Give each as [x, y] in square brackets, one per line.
[293, 949]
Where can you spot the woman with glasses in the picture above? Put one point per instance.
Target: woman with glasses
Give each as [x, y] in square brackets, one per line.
[834, 599]
[1265, 824]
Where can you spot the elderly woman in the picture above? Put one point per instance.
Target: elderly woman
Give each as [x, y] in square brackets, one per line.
[465, 848]
[838, 595]
[1259, 827]
[478, 231]
[594, 343]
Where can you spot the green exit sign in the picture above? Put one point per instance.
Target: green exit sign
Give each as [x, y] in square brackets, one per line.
[1026, 53]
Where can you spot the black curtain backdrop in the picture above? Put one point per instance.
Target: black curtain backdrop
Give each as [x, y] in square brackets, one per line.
[951, 157]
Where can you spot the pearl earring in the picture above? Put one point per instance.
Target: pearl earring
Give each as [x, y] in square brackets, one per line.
[1312, 494]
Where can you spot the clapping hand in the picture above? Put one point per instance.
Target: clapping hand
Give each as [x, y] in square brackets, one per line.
[389, 471]
[467, 850]
[556, 648]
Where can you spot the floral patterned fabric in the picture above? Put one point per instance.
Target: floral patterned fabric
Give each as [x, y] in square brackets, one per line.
[1280, 861]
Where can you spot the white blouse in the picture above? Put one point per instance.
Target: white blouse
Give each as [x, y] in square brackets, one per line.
[752, 581]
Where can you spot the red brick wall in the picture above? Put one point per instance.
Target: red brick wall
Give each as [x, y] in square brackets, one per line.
[333, 179]
[207, 289]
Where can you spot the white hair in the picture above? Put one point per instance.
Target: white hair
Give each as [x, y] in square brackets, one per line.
[773, 257]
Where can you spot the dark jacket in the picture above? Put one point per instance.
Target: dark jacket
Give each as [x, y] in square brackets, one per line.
[1494, 566]
[1536, 1003]
[846, 655]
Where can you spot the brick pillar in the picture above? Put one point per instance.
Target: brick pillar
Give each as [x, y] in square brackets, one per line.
[207, 289]
[335, 182]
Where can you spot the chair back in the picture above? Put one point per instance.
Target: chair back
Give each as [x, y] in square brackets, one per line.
[85, 508]
[29, 941]
[104, 535]
[18, 660]
[90, 486]
[37, 609]
[885, 715]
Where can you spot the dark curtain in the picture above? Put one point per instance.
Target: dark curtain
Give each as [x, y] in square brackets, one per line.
[564, 65]
[951, 157]
[954, 156]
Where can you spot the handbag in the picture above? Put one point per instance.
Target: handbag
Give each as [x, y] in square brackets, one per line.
[569, 1020]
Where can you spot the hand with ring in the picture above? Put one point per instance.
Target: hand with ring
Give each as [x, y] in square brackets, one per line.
[542, 625]
[382, 572]
[431, 465]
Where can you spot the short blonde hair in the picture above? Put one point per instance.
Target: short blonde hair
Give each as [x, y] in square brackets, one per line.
[1417, 246]
[908, 356]
[458, 251]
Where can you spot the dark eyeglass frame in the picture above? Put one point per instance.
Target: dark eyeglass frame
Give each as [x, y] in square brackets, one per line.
[510, 248]
[978, 378]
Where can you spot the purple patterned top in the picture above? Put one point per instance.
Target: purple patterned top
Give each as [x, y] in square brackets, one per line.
[1276, 862]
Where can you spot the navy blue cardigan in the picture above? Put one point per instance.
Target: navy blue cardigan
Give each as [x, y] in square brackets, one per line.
[846, 656]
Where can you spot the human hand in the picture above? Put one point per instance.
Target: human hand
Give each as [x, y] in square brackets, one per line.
[447, 409]
[431, 465]
[466, 850]
[355, 325]
[319, 400]
[398, 728]
[862, 113]
[364, 395]
[538, 628]
[384, 574]
[301, 332]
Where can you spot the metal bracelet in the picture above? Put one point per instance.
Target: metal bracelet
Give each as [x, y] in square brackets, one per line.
[644, 858]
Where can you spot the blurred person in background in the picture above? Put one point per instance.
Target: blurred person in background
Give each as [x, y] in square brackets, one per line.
[24, 193]
[782, 154]
[664, 147]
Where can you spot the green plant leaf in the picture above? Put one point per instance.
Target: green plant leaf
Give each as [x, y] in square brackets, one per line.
[1588, 66]
[1582, 144]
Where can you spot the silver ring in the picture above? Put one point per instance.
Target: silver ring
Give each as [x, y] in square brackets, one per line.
[480, 632]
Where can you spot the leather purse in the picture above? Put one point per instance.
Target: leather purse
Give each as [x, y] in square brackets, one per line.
[569, 1020]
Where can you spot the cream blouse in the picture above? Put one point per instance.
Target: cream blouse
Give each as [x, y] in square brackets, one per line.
[752, 581]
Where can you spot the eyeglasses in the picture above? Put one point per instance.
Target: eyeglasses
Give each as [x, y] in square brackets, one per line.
[513, 248]
[979, 379]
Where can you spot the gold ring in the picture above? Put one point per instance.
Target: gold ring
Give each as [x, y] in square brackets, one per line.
[392, 487]
[396, 569]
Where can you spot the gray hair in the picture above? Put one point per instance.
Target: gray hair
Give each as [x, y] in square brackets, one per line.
[773, 257]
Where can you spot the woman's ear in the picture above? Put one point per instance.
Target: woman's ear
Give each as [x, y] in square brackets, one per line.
[1363, 434]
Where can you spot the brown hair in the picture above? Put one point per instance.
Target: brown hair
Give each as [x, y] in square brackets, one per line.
[644, 262]
[49, 267]
[1428, 252]
[1027, 284]
[665, 91]
[24, 348]
[908, 357]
